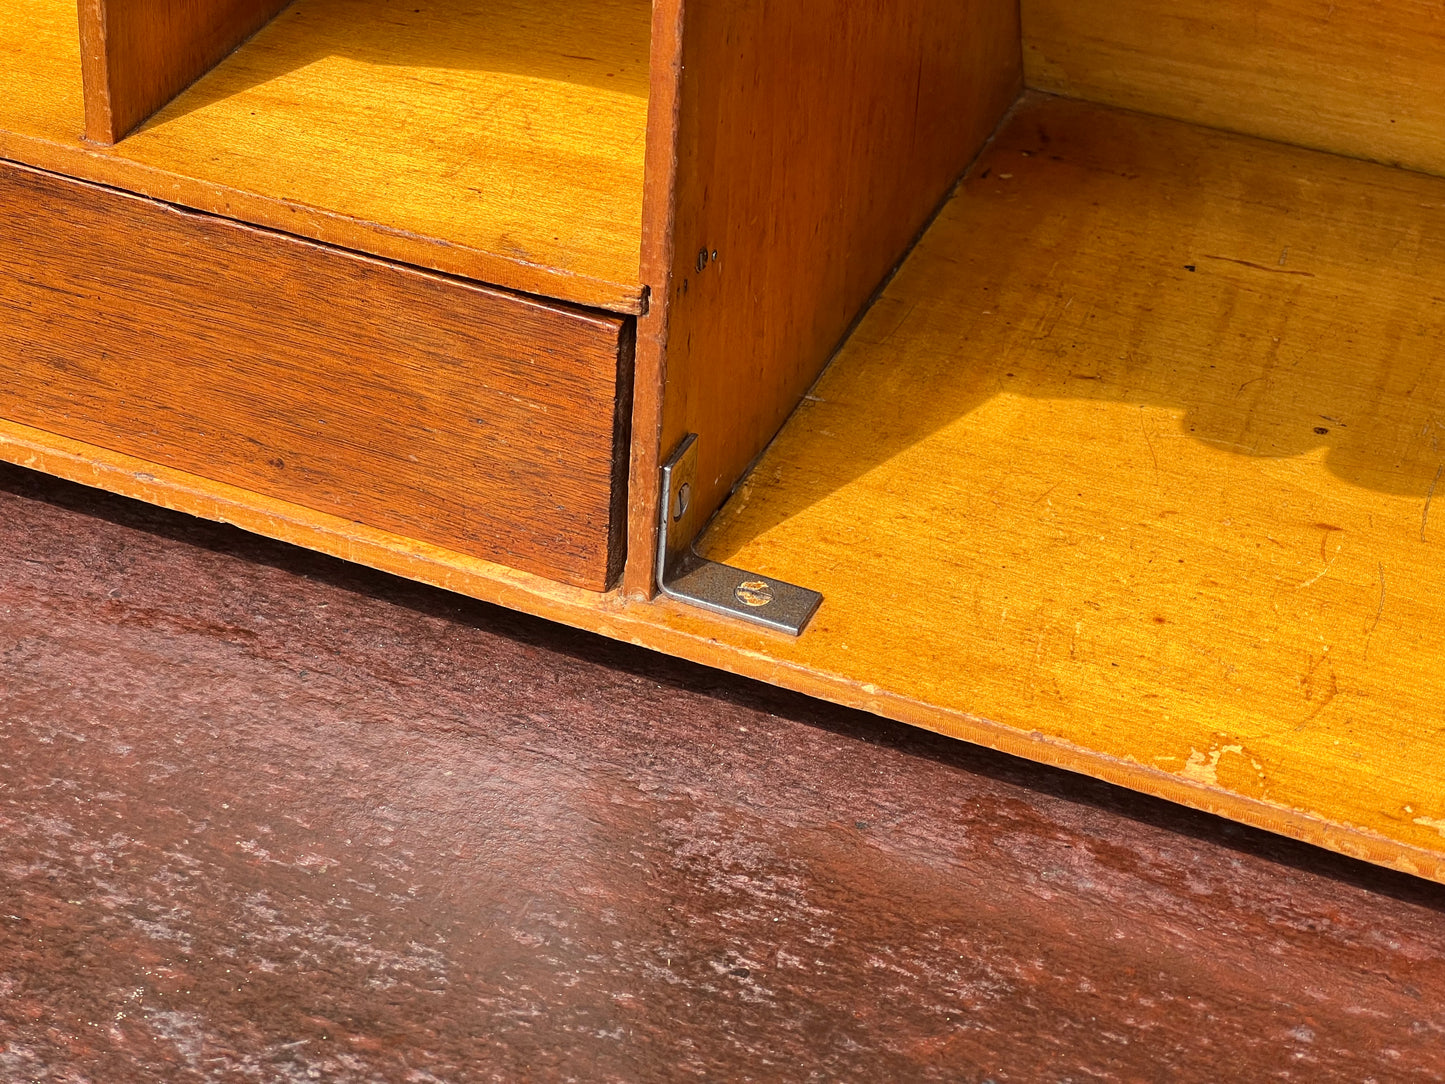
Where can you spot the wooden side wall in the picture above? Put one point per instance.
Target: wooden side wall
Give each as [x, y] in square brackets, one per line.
[814, 139]
[1357, 77]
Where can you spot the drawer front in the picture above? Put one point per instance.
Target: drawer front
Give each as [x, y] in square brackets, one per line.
[483, 422]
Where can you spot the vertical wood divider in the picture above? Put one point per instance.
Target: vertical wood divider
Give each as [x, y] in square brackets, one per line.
[659, 213]
[136, 55]
[796, 148]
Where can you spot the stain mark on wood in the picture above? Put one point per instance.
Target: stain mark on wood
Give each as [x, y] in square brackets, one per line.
[1328, 528]
[1319, 689]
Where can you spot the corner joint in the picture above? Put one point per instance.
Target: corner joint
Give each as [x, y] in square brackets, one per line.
[734, 592]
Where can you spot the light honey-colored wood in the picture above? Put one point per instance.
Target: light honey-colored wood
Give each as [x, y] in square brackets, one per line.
[40, 84]
[1136, 457]
[813, 141]
[501, 142]
[1357, 77]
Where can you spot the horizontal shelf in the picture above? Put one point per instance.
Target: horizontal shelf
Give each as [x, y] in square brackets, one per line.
[501, 142]
[1131, 469]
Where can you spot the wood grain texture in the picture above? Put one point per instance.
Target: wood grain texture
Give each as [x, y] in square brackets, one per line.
[1136, 455]
[139, 54]
[40, 84]
[1356, 77]
[416, 404]
[814, 141]
[1347, 211]
[502, 143]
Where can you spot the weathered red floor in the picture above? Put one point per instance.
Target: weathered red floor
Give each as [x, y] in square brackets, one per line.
[264, 817]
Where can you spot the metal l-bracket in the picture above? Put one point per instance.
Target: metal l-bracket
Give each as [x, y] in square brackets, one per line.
[682, 574]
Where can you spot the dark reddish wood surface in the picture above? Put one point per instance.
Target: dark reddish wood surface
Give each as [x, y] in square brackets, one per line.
[268, 817]
[474, 419]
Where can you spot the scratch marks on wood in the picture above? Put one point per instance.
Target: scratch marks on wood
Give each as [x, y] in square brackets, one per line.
[1320, 687]
[1153, 454]
[1379, 609]
[1204, 768]
[1432, 822]
[1430, 496]
[1262, 267]
[1322, 572]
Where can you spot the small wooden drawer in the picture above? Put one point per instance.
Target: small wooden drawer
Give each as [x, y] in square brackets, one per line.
[481, 421]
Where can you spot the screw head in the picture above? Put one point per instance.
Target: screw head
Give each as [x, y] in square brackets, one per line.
[681, 501]
[753, 593]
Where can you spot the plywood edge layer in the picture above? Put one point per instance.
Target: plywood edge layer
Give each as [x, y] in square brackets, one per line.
[663, 626]
[658, 246]
[100, 166]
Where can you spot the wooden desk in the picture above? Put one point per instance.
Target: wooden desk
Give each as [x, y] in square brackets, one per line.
[1128, 470]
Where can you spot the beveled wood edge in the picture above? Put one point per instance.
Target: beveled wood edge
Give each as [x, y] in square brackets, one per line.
[667, 627]
[96, 165]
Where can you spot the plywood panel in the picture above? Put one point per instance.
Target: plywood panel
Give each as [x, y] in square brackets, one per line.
[1140, 459]
[138, 54]
[1353, 76]
[502, 142]
[813, 143]
[442, 412]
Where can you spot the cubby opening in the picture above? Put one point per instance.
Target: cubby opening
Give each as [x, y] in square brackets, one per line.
[500, 140]
[1140, 458]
